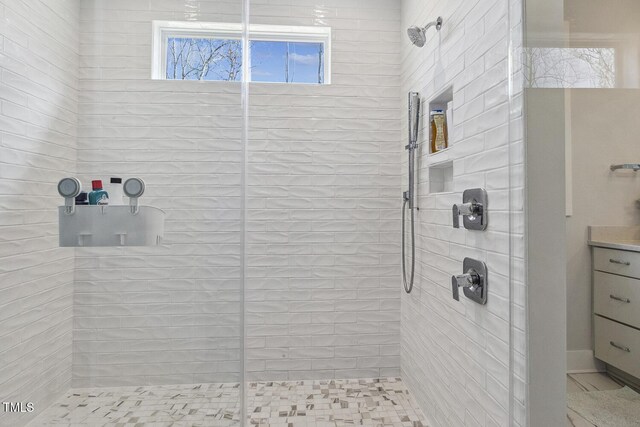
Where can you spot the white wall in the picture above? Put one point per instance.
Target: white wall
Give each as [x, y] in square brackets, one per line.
[38, 122]
[604, 130]
[455, 355]
[168, 314]
[547, 262]
[324, 195]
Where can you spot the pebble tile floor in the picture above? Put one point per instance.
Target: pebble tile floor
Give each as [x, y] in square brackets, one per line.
[326, 403]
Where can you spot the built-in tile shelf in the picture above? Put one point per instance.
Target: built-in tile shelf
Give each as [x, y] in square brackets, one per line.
[441, 178]
[89, 226]
[439, 157]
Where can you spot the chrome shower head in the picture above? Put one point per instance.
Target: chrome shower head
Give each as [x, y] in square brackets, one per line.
[417, 35]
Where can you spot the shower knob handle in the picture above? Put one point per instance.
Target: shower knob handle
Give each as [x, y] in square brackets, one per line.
[471, 279]
[468, 209]
[473, 210]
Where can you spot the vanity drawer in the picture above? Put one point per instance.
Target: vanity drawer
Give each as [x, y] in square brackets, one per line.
[618, 345]
[614, 261]
[617, 297]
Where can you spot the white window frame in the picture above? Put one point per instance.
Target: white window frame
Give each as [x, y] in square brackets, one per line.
[163, 30]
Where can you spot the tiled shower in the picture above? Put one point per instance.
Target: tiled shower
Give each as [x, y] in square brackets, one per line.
[277, 282]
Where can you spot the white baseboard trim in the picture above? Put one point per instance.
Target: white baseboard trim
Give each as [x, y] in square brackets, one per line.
[582, 361]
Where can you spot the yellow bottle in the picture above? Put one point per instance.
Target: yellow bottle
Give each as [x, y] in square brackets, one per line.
[439, 137]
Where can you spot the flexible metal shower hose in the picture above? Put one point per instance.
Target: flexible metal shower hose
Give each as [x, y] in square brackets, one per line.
[408, 285]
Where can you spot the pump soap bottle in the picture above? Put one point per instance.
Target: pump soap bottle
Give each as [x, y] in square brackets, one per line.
[98, 196]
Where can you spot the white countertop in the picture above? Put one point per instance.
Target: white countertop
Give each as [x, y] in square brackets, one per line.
[623, 238]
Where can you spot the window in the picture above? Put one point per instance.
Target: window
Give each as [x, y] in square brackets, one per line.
[581, 67]
[213, 51]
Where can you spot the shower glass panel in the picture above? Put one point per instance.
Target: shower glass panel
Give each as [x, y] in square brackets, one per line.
[580, 79]
[163, 325]
[322, 290]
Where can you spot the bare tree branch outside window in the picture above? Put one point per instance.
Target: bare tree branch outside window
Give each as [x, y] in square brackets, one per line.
[204, 59]
[591, 67]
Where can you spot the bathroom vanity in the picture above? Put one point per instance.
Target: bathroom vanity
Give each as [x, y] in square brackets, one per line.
[616, 300]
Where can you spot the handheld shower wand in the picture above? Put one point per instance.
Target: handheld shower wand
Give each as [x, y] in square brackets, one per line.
[408, 196]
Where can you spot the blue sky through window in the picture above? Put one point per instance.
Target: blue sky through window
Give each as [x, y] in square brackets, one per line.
[221, 59]
[287, 62]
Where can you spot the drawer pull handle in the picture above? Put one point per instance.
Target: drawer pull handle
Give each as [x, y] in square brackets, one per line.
[617, 261]
[620, 347]
[627, 300]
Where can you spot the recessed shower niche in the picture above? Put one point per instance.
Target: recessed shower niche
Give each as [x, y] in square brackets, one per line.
[443, 102]
[441, 177]
[440, 163]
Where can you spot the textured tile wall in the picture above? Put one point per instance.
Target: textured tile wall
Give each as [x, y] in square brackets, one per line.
[323, 178]
[168, 314]
[323, 190]
[38, 121]
[455, 355]
[323, 297]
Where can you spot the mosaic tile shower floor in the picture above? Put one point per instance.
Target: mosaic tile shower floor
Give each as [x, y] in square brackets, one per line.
[326, 403]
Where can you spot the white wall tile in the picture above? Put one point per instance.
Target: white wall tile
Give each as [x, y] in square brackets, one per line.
[323, 294]
[184, 140]
[38, 129]
[324, 177]
[460, 350]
